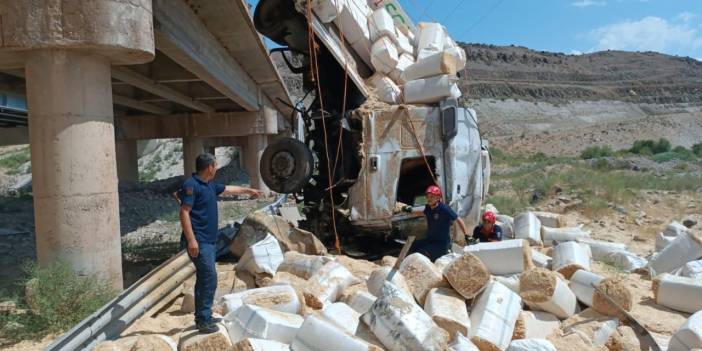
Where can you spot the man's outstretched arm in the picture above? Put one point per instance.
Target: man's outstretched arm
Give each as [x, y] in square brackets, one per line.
[241, 190]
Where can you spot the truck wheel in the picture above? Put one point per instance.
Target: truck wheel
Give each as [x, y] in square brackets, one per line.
[286, 166]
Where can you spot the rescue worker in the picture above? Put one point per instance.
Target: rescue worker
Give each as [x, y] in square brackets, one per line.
[439, 217]
[199, 220]
[488, 231]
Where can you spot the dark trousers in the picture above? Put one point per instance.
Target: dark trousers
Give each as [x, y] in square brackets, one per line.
[433, 249]
[205, 280]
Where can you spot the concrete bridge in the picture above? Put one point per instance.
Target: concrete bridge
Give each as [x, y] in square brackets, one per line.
[100, 75]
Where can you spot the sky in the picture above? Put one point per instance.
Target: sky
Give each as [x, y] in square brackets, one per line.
[570, 26]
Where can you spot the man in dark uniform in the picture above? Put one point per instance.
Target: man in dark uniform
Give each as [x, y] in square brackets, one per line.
[488, 231]
[199, 220]
[439, 217]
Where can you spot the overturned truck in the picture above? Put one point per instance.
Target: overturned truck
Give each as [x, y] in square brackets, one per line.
[385, 121]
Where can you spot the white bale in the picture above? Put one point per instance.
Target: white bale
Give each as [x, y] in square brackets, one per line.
[539, 324]
[327, 284]
[491, 208]
[251, 321]
[554, 236]
[377, 279]
[446, 259]
[429, 90]
[253, 344]
[403, 62]
[493, 316]
[625, 260]
[380, 24]
[531, 345]
[689, 335]
[605, 331]
[361, 301]
[674, 228]
[601, 249]
[421, 275]
[403, 44]
[430, 39]
[570, 256]
[262, 257]
[443, 62]
[581, 284]
[662, 241]
[342, 316]
[527, 226]
[503, 257]
[692, 269]
[302, 265]
[363, 48]
[327, 10]
[551, 220]
[506, 223]
[456, 91]
[511, 281]
[400, 324]
[353, 21]
[540, 260]
[561, 303]
[387, 91]
[679, 293]
[280, 298]
[384, 55]
[685, 248]
[448, 310]
[317, 334]
[462, 343]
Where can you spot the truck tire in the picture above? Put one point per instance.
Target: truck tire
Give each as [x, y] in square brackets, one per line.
[286, 166]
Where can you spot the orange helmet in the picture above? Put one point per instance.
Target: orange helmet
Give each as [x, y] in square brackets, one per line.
[489, 217]
[433, 190]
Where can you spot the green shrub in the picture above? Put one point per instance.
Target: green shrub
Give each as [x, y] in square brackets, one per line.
[697, 149]
[685, 155]
[15, 160]
[650, 147]
[596, 152]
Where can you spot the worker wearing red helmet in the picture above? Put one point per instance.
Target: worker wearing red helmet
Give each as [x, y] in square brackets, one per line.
[439, 217]
[488, 231]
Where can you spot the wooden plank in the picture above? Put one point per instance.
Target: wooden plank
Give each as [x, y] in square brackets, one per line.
[138, 105]
[182, 36]
[133, 78]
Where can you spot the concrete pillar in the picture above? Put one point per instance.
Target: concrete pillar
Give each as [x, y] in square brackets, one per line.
[66, 48]
[127, 160]
[192, 147]
[253, 150]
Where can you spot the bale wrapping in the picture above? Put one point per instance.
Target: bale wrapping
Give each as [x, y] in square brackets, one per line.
[448, 309]
[493, 317]
[327, 284]
[544, 290]
[678, 293]
[504, 257]
[570, 256]
[421, 275]
[685, 248]
[527, 226]
[467, 275]
[617, 291]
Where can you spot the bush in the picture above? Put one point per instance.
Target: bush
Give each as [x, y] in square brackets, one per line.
[697, 149]
[683, 154]
[596, 152]
[15, 160]
[650, 147]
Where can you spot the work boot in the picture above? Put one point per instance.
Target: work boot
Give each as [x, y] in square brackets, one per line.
[207, 327]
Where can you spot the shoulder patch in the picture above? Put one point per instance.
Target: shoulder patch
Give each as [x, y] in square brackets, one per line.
[188, 191]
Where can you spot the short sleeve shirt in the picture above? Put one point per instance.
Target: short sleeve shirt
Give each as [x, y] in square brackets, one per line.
[439, 220]
[494, 235]
[201, 196]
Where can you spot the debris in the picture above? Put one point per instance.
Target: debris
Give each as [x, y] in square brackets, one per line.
[317, 334]
[678, 293]
[251, 321]
[262, 257]
[253, 344]
[543, 290]
[258, 224]
[554, 236]
[467, 275]
[342, 316]
[421, 275]
[551, 220]
[282, 298]
[527, 226]
[601, 249]
[302, 265]
[686, 247]
[377, 279]
[689, 336]
[361, 301]
[401, 324]
[531, 345]
[448, 309]
[504, 257]
[327, 284]
[538, 324]
[570, 256]
[192, 340]
[493, 317]
[625, 260]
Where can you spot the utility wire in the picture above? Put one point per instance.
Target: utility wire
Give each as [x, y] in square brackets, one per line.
[480, 20]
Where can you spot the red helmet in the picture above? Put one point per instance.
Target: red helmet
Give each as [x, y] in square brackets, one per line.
[489, 217]
[433, 190]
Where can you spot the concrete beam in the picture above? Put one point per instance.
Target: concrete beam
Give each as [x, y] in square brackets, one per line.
[221, 124]
[181, 35]
[133, 78]
[138, 105]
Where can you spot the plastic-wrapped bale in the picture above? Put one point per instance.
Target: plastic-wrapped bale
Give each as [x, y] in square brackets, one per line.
[692, 269]
[554, 236]
[260, 223]
[551, 220]
[467, 275]
[679, 293]
[538, 324]
[400, 324]
[380, 24]
[317, 334]
[386, 90]
[456, 91]
[192, 340]
[327, 10]
[617, 290]
[685, 248]
[363, 49]
[361, 301]
[626, 260]
[428, 90]
[430, 39]
[462, 343]
[674, 228]
[388, 261]
[301, 265]
[531, 345]
[448, 310]
[506, 223]
[689, 336]
[384, 55]
[403, 44]
[354, 21]
[581, 284]
[342, 316]
[601, 249]
[403, 62]
[493, 316]
[511, 281]
[504, 257]
[421, 275]
[462, 58]
[377, 279]
[262, 257]
[542, 289]
[444, 62]
[527, 226]
[253, 344]
[444, 260]
[251, 321]
[540, 260]
[280, 298]
[662, 241]
[570, 256]
[327, 283]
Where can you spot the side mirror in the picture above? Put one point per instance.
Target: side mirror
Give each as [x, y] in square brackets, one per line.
[449, 123]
